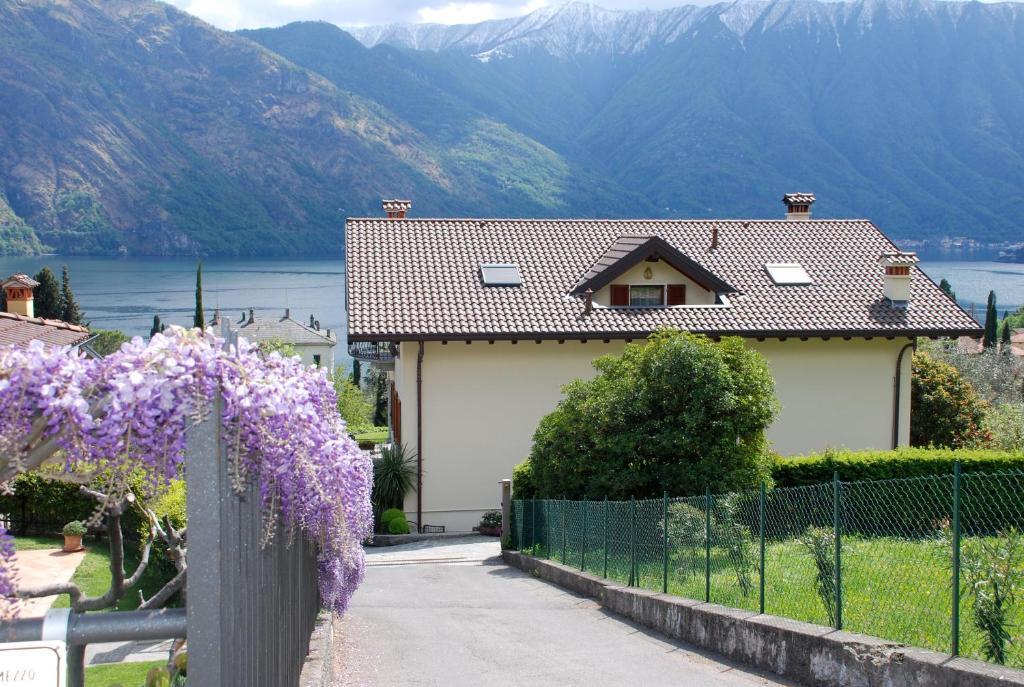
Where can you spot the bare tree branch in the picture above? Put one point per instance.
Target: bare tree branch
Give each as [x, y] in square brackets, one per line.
[176, 585]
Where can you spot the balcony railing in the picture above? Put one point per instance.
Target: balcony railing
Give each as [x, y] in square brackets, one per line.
[373, 351]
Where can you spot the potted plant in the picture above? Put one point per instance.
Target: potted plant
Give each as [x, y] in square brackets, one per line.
[490, 523]
[73, 533]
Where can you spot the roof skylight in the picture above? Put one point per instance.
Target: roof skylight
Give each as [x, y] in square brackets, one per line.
[788, 274]
[498, 274]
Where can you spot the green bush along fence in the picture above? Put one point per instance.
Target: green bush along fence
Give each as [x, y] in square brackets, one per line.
[933, 561]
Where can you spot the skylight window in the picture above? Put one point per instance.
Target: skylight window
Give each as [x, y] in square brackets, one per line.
[494, 274]
[788, 274]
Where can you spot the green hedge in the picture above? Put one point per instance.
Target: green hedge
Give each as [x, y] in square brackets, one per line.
[43, 506]
[798, 471]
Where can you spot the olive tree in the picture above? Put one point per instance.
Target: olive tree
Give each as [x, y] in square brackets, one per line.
[676, 413]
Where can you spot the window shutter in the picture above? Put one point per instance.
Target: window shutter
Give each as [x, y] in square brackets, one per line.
[677, 294]
[620, 294]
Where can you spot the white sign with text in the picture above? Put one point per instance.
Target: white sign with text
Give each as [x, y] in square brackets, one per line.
[28, 664]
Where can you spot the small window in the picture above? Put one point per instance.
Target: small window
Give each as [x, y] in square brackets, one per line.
[494, 274]
[316, 359]
[676, 294]
[788, 274]
[646, 296]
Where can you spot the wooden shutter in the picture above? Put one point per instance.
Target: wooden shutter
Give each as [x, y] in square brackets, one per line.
[396, 415]
[677, 294]
[620, 294]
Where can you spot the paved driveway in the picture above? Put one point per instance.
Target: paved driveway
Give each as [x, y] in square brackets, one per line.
[453, 614]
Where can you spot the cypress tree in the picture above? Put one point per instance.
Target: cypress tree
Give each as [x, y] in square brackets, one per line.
[48, 301]
[156, 328]
[199, 319]
[357, 373]
[70, 312]
[991, 322]
[1004, 337]
[947, 288]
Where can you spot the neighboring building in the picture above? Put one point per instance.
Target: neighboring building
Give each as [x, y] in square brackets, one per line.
[20, 326]
[313, 344]
[490, 317]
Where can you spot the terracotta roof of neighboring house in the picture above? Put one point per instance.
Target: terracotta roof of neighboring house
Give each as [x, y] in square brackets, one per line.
[20, 330]
[969, 344]
[284, 328]
[20, 280]
[419, 279]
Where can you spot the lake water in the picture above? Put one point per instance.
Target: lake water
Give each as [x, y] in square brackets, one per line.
[125, 293]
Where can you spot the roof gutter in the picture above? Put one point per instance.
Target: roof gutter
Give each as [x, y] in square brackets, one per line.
[419, 437]
[897, 383]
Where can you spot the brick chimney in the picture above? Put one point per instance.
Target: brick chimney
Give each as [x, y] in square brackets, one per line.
[798, 205]
[897, 266]
[18, 289]
[396, 209]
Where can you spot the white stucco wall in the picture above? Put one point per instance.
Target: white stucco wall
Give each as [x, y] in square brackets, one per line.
[662, 274]
[326, 353]
[482, 403]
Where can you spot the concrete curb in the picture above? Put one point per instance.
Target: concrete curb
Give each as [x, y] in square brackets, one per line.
[317, 669]
[396, 539]
[806, 653]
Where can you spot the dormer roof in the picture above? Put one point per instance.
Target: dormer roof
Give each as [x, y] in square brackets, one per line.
[629, 250]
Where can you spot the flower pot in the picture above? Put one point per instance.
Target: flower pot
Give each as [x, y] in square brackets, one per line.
[73, 542]
[490, 531]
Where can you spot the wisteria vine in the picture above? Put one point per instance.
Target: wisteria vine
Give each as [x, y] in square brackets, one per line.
[130, 412]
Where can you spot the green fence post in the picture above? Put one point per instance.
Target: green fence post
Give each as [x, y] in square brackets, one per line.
[761, 530]
[561, 507]
[606, 537]
[547, 521]
[707, 544]
[664, 543]
[632, 541]
[583, 547]
[955, 635]
[837, 528]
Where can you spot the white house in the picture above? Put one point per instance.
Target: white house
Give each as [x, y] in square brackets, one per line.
[484, 320]
[313, 344]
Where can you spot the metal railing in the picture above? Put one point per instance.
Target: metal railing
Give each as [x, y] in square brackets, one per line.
[936, 562]
[373, 351]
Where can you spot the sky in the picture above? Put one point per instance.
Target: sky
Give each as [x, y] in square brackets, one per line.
[247, 14]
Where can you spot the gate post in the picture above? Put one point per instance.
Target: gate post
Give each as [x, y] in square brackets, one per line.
[506, 511]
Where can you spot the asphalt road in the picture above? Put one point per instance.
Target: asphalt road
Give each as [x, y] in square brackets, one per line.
[454, 614]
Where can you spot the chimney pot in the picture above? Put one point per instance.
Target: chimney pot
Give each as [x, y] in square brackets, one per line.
[898, 273]
[287, 313]
[589, 294]
[396, 209]
[318, 325]
[714, 236]
[252, 316]
[798, 205]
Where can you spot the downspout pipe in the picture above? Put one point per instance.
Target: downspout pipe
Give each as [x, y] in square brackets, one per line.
[419, 438]
[897, 383]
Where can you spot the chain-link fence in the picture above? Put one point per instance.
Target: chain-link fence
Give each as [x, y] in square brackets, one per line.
[936, 562]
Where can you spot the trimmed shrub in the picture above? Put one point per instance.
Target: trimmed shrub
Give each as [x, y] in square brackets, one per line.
[522, 481]
[677, 413]
[75, 528]
[398, 526]
[391, 514]
[945, 410]
[491, 518]
[800, 471]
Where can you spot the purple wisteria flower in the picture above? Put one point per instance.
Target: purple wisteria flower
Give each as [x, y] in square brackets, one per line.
[129, 412]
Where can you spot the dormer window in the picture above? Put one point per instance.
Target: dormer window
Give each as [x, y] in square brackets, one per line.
[646, 296]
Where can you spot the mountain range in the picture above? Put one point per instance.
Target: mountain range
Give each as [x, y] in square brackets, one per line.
[128, 126]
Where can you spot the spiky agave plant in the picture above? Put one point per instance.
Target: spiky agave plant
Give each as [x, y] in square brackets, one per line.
[394, 475]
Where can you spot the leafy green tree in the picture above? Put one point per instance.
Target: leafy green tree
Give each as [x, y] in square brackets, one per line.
[157, 326]
[357, 373]
[991, 322]
[199, 319]
[677, 414]
[70, 312]
[353, 407]
[108, 341]
[945, 410]
[947, 288]
[47, 297]
[280, 346]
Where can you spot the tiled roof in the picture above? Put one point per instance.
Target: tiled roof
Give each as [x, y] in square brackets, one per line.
[418, 279]
[20, 330]
[284, 328]
[798, 198]
[20, 279]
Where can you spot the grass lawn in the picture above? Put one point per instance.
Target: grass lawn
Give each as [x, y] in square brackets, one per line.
[30, 543]
[896, 589]
[124, 674]
[93, 575]
[377, 436]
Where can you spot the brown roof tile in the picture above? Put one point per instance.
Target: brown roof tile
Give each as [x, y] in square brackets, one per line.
[418, 278]
[19, 331]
